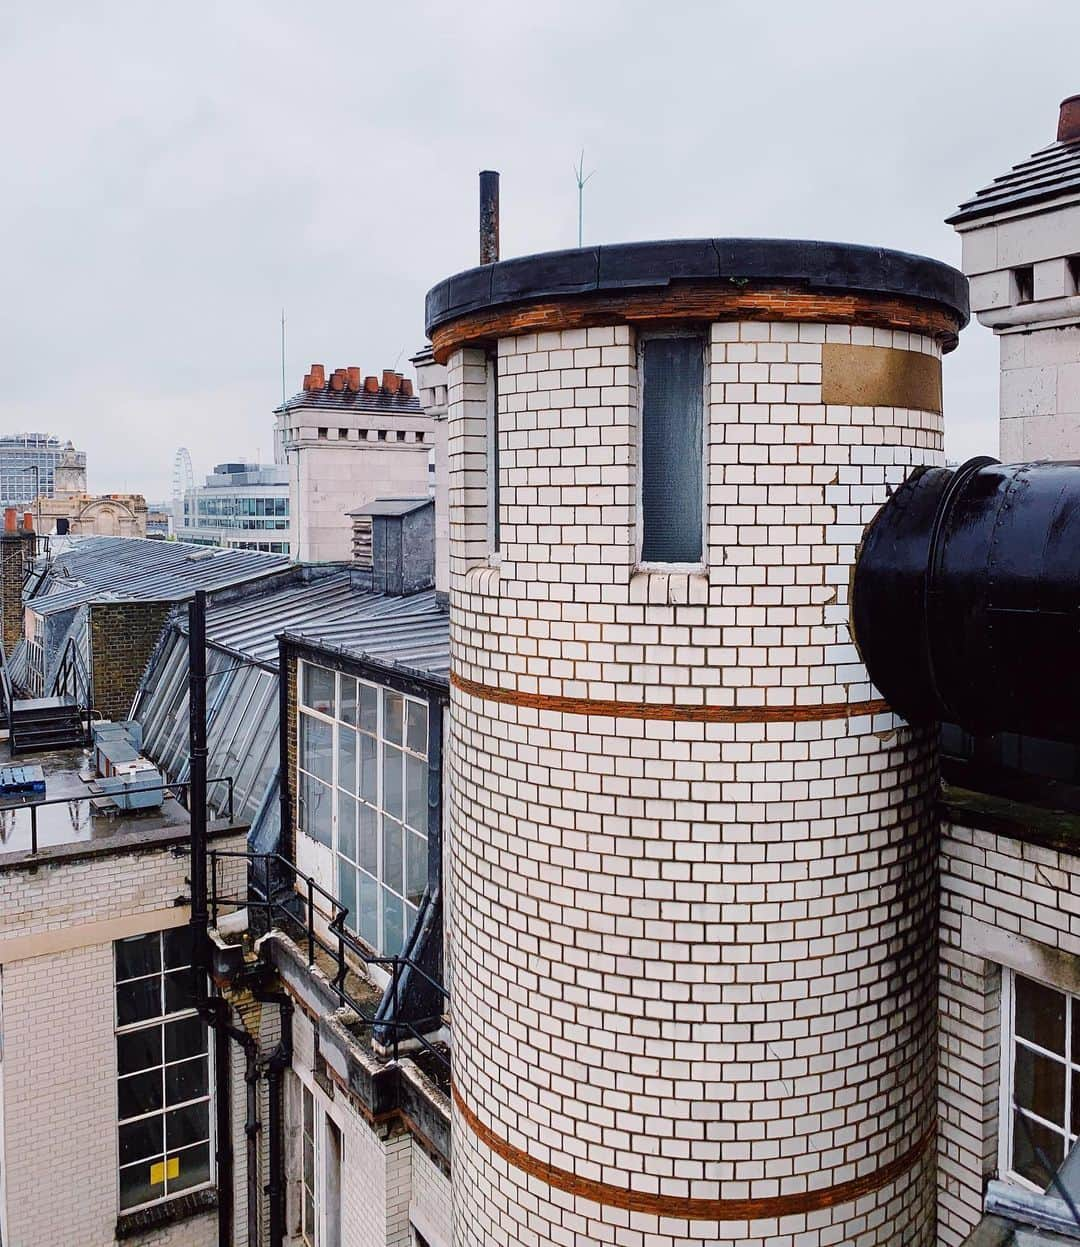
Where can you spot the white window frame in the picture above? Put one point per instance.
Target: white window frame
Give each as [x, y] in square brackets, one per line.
[1008, 1042]
[309, 1234]
[335, 722]
[160, 1022]
[641, 565]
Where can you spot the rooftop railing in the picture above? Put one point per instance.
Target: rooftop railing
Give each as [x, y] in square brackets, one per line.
[292, 901]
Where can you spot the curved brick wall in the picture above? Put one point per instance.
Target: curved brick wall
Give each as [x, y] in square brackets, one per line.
[691, 857]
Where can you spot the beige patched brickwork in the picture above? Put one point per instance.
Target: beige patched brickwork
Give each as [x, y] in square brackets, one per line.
[693, 958]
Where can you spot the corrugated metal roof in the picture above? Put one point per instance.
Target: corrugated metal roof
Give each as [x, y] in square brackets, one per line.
[135, 569]
[1046, 174]
[412, 632]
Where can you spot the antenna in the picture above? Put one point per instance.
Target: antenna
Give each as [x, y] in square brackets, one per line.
[581, 177]
[284, 396]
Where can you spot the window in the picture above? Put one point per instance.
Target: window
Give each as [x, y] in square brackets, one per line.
[163, 1071]
[363, 792]
[671, 371]
[308, 1231]
[493, 451]
[1040, 1078]
[1023, 284]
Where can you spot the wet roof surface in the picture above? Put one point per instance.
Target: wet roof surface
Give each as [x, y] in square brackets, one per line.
[1045, 174]
[74, 820]
[132, 569]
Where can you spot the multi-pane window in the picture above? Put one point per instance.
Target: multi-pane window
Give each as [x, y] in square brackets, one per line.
[1041, 1078]
[308, 1229]
[363, 792]
[163, 1071]
[672, 378]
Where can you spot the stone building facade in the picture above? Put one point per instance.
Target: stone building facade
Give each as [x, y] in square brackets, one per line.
[347, 440]
[691, 856]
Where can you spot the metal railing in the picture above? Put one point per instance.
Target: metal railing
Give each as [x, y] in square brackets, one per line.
[288, 899]
[174, 789]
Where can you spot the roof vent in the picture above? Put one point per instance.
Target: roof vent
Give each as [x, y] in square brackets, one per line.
[1069, 120]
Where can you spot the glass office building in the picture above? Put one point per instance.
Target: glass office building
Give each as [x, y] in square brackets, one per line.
[27, 467]
[243, 506]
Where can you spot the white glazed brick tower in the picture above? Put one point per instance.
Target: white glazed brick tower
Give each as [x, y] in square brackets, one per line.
[692, 857]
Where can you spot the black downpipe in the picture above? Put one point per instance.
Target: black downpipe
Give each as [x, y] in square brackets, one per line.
[223, 1112]
[279, 1061]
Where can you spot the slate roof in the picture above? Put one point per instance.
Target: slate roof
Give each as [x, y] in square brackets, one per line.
[136, 569]
[412, 631]
[1046, 174]
[394, 506]
[380, 404]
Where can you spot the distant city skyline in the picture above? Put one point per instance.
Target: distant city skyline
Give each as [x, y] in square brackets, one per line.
[163, 224]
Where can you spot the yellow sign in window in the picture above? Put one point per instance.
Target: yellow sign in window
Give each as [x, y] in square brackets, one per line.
[162, 1169]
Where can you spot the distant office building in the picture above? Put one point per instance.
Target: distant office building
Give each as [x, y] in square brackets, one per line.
[242, 506]
[27, 466]
[158, 519]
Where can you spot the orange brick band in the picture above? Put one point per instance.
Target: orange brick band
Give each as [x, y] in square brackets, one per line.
[669, 711]
[696, 1209]
[696, 301]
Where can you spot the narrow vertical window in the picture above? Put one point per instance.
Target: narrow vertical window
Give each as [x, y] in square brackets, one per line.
[493, 451]
[671, 373]
[309, 1235]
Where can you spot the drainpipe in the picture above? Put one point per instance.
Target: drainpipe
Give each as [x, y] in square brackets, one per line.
[280, 1060]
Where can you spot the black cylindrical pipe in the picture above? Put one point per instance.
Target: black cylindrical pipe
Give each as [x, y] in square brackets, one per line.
[489, 216]
[966, 598]
[279, 1062]
[197, 778]
[223, 1136]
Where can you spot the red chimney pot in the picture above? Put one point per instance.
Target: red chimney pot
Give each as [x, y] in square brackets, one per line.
[318, 377]
[390, 381]
[307, 380]
[337, 380]
[371, 385]
[1069, 120]
[10, 523]
[406, 388]
[28, 521]
[354, 379]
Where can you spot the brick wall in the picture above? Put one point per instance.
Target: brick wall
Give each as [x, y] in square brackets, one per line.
[122, 638]
[691, 856]
[15, 550]
[59, 1052]
[1005, 900]
[376, 1173]
[429, 1209]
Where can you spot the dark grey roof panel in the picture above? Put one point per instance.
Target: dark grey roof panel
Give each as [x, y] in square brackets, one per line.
[1046, 174]
[393, 506]
[413, 631]
[645, 265]
[135, 569]
[380, 404]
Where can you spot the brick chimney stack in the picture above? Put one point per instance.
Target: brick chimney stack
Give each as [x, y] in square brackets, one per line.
[1069, 120]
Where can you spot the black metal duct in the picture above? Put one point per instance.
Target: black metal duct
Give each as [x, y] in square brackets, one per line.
[966, 598]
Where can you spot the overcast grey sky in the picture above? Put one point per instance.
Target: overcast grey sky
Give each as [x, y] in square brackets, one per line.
[175, 173]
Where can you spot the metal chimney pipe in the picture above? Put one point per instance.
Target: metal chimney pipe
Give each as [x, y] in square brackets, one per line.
[489, 216]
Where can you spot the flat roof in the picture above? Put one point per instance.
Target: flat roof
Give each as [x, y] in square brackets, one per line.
[829, 266]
